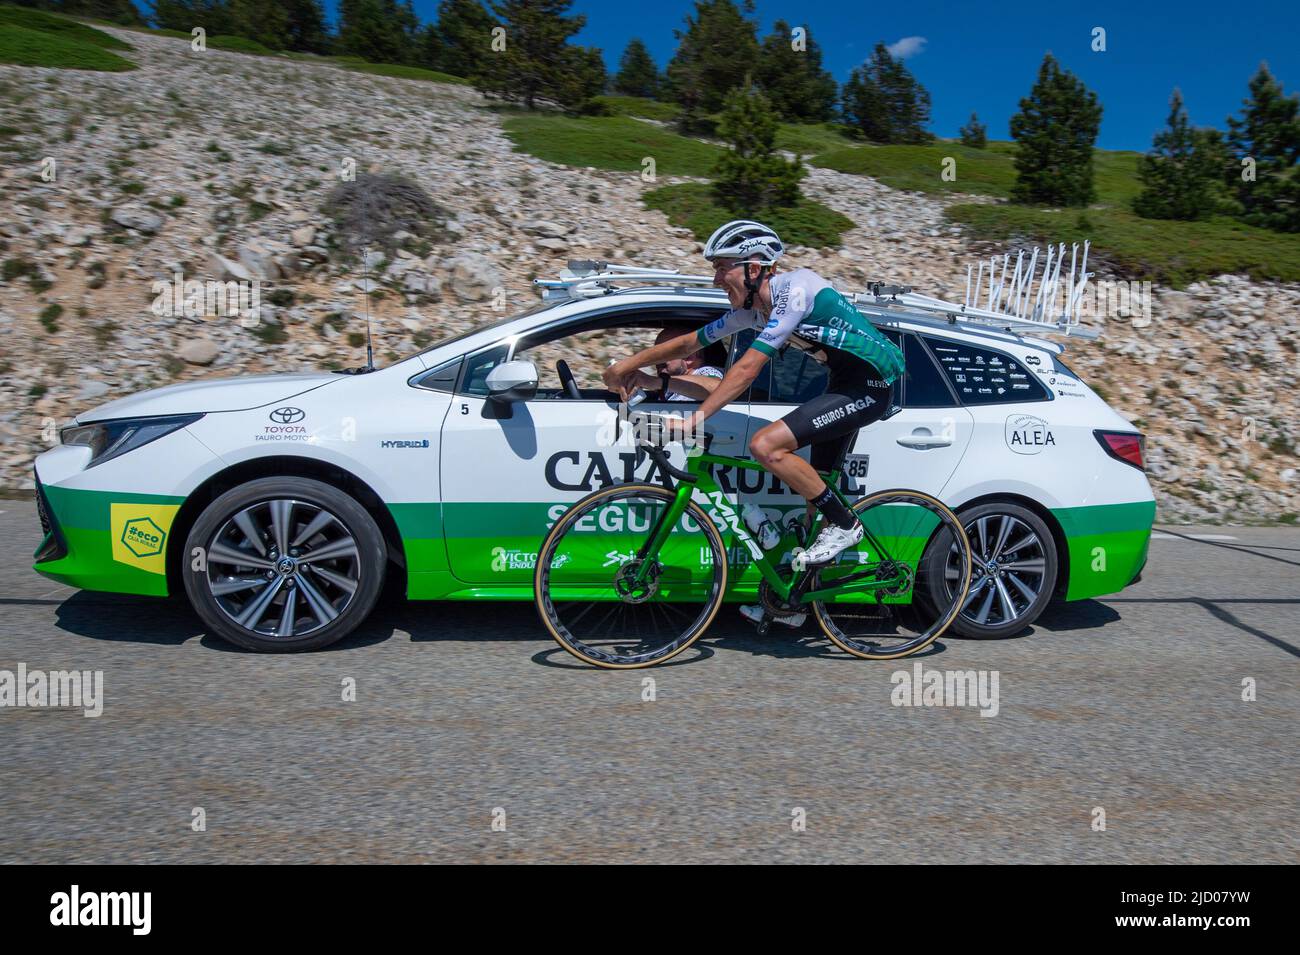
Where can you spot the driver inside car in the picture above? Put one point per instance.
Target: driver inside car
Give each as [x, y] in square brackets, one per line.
[691, 378]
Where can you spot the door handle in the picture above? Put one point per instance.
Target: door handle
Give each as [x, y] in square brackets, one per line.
[921, 439]
[723, 439]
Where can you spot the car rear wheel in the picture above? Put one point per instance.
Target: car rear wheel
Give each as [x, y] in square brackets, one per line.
[1014, 570]
[284, 564]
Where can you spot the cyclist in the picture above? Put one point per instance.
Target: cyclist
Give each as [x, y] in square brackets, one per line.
[799, 309]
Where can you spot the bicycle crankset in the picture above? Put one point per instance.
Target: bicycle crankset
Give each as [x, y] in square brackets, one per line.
[773, 604]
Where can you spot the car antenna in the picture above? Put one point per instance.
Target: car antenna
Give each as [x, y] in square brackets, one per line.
[365, 262]
[365, 267]
[370, 352]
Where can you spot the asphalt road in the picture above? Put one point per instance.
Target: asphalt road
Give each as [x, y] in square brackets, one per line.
[1131, 703]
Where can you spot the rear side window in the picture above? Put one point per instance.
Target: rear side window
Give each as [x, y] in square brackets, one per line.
[982, 376]
[923, 384]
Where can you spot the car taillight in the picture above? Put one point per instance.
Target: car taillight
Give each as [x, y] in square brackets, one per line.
[1122, 446]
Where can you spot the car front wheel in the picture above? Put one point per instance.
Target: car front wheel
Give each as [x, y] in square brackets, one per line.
[284, 564]
[1013, 574]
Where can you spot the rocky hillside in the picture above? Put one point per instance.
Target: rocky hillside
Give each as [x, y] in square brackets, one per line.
[217, 164]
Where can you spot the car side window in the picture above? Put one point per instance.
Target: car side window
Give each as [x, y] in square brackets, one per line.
[762, 385]
[441, 378]
[796, 377]
[474, 378]
[793, 376]
[982, 376]
[923, 385]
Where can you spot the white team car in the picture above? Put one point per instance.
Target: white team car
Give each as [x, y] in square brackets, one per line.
[280, 503]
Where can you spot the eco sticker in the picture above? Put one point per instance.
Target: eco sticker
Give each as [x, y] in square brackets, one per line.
[139, 533]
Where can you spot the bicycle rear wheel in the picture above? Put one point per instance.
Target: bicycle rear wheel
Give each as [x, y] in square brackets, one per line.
[585, 583]
[881, 621]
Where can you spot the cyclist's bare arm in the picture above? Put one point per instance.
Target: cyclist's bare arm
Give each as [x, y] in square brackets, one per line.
[697, 387]
[619, 376]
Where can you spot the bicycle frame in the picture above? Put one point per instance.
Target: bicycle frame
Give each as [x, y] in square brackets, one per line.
[699, 465]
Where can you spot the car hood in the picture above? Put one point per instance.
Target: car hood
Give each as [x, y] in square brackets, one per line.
[222, 394]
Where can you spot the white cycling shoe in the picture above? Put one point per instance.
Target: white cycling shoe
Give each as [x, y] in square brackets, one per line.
[754, 614]
[831, 542]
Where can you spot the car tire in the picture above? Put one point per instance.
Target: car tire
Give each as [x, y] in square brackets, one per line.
[1037, 571]
[233, 556]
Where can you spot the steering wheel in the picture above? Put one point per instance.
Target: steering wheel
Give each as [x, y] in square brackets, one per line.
[567, 381]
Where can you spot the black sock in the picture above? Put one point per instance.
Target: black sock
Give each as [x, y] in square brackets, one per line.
[833, 509]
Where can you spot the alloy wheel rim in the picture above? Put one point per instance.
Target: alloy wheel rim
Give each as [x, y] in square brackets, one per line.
[1009, 565]
[283, 568]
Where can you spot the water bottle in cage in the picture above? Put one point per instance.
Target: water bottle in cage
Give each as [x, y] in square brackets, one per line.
[761, 526]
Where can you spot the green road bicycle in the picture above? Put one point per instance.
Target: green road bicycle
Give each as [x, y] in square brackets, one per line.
[633, 574]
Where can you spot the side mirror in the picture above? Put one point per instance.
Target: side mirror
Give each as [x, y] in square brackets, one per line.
[512, 381]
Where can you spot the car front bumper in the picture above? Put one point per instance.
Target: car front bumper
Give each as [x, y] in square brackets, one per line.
[100, 540]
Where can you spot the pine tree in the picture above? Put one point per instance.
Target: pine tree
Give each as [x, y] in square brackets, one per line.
[1180, 173]
[306, 29]
[537, 63]
[717, 48]
[381, 31]
[1054, 132]
[974, 134]
[463, 38]
[266, 21]
[114, 11]
[751, 175]
[1268, 132]
[637, 73]
[184, 15]
[793, 79]
[276, 24]
[885, 102]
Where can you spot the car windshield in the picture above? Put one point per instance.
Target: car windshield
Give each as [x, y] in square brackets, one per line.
[540, 307]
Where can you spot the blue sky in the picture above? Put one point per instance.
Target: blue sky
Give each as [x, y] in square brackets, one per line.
[984, 56]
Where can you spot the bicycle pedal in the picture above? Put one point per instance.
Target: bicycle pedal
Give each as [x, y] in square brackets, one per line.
[799, 560]
[763, 626]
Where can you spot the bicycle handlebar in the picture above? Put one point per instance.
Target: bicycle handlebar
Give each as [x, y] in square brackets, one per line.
[660, 457]
[651, 434]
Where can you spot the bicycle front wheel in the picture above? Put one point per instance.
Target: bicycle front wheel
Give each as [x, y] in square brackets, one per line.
[610, 603]
[870, 611]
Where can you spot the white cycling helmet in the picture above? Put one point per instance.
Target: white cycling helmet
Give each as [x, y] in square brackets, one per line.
[744, 239]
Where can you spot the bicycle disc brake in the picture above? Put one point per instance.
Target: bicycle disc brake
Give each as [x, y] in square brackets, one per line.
[626, 586]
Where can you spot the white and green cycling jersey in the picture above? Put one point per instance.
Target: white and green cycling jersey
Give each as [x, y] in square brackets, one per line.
[809, 314]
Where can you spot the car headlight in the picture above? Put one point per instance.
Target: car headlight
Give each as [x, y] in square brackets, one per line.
[109, 439]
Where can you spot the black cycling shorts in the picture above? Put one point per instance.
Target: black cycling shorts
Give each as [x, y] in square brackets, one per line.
[831, 421]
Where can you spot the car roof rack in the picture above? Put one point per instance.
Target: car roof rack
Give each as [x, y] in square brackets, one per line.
[585, 278]
[1032, 299]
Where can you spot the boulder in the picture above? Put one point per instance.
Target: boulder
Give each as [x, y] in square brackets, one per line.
[228, 271]
[137, 218]
[258, 258]
[543, 227]
[199, 351]
[474, 277]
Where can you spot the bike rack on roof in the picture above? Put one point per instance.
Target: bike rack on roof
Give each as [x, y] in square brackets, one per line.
[1029, 301]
